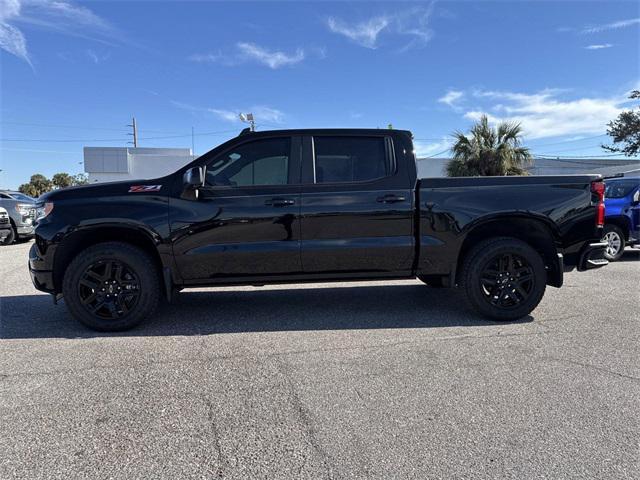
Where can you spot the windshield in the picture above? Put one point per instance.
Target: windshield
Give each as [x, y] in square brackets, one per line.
[620, 189]
[22, 196]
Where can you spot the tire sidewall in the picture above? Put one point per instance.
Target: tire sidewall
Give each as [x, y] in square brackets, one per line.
[137, 260]
[618, 231]
[10, 238]
[484, 253]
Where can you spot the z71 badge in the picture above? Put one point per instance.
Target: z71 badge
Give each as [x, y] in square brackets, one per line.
[144, 188]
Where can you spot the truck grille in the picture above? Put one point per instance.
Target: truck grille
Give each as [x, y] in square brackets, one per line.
[4, 218]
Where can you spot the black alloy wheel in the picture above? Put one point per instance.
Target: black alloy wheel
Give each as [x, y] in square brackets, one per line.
[112, 286]
[507, 280]
[503, 278]
[109, 289]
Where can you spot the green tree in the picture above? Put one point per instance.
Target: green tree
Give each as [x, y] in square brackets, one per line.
[489, 151]
[38, 184]
[80, 179]
[62, 180]
[625, 130]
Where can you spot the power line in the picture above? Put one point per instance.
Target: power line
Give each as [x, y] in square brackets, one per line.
[123, 139]
[577, 149]
[439, 153]
[76, 127]
[571, 141]
[550, 156]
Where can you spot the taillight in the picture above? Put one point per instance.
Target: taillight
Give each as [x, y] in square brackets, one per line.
[598, 188]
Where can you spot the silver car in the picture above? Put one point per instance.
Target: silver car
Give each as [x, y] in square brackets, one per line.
[22, 211]
[5, 225]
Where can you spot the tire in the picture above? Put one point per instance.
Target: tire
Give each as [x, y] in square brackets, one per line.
[614, 236]
[112, 286]
[499, 288]
[433, 282]
[10, 238]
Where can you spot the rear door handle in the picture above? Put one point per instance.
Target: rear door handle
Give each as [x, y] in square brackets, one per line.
[279, 202]
[390, 198]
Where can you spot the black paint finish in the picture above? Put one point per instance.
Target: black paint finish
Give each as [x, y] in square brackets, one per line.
[391, 227]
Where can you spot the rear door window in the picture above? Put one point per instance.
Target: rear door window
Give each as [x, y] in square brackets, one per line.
[350, 159]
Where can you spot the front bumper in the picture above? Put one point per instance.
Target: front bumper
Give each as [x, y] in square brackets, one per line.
[592, 256]
[42, 279]
[25, 230]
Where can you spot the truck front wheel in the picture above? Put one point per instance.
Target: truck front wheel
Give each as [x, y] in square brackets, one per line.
[111, 286]
[503, 278]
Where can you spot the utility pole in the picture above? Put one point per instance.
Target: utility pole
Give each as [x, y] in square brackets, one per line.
[135, 132]
[193, 143]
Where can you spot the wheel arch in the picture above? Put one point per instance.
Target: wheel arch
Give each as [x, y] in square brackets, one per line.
[538, 232]
[620, 221]
[82, 239]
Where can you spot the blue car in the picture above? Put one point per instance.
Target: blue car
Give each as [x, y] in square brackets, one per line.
[622, 215]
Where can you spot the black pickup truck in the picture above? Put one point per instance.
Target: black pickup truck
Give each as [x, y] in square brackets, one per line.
[293, 206]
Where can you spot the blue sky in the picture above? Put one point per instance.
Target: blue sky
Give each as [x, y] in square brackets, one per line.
[73, 73]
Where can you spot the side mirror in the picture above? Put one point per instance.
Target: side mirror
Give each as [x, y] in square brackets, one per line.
[636, 198]
[193, 178]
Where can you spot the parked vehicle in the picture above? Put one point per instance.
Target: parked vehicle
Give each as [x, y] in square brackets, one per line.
[5, 225]
[21, 209]
[622, 215]
[294, 206]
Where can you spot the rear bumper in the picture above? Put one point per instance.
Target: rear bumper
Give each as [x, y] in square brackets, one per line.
[592, 256]
[42, 279]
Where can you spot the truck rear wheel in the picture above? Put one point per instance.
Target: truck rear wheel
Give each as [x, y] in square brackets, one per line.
[111, 286]
[503, 278]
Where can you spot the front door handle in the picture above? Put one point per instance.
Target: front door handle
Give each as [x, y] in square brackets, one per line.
[391, 198]
[279, 202]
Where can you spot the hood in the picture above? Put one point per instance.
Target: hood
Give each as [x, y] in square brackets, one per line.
[127, 187]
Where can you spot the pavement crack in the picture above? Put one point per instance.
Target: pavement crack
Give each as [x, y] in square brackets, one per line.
[593, 367]
[305, 421]
[211, 419]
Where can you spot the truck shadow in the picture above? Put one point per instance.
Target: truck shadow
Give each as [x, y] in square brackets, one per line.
[630, 255]
[236, 311]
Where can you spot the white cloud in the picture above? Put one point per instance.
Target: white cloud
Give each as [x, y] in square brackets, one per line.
[227, 115]
[206, 57]
[451, 97]
[364, 33]
[96, 57]
[57, 15]
[598, 46]
[270, 58]
[546, 114]
[261, 113]
[11, 39]
[424, 149]
[413, 22]
[612, 26]
[251, 52]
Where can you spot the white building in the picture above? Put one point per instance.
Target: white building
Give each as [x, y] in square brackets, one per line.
[111, 164]
[435, 167]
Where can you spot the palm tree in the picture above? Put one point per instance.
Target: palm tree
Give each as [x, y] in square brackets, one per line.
[487, 151]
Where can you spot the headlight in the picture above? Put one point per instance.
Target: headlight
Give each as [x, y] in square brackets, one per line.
[24, 209]
[42, 210]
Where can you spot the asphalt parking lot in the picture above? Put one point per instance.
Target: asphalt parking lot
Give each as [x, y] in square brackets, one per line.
[361, 380]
